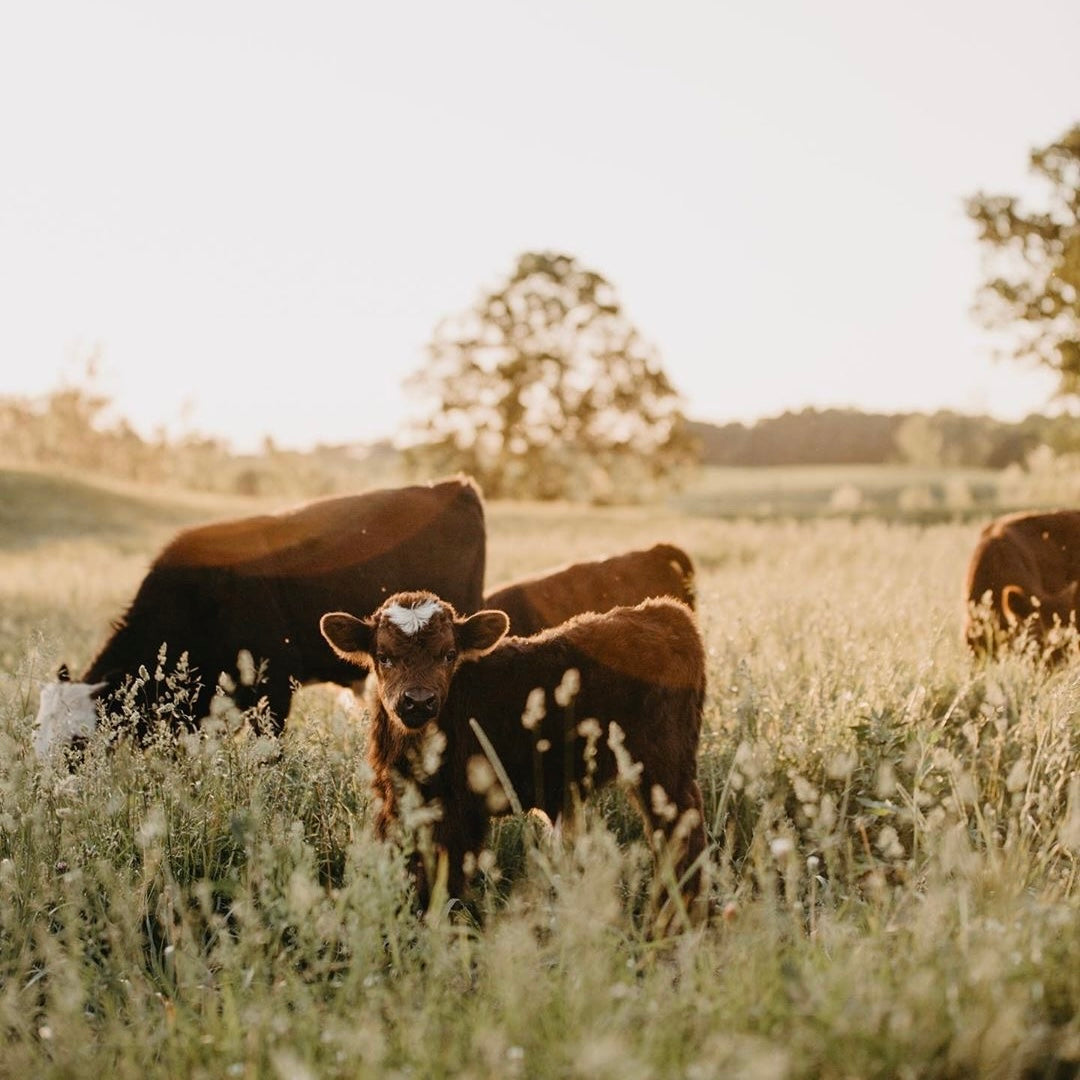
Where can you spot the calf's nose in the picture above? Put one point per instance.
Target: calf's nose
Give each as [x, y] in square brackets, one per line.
[419, 702]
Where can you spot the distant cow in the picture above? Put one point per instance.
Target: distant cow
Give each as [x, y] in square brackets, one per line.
[551, 598]
[261, 583]
[1025, 569]
[640, 680]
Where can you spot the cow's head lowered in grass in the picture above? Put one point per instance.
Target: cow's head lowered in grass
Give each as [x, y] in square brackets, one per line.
[1023, 584]
[67, 712]
[414, 643]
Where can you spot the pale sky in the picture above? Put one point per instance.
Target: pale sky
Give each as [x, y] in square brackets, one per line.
[260, 210]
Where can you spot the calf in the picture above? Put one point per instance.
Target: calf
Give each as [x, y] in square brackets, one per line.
[535, 603]
[1023, 578]
[259, 584]
[640, 676]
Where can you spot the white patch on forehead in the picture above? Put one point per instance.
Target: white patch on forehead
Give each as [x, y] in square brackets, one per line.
[66, 710]
[411, 620]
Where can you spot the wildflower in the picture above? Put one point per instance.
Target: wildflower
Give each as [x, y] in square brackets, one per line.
[885, 782]
[662, 806]
[805, 792]
[245, 665]
[1018, 776]
[841, 766]
[781, 846]
[629, 770]
[483, 781]
[432, 751]
[888, 843]
[567, 690]
[535, 709]
[591, 731]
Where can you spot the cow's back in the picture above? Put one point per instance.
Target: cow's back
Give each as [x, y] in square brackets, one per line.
[546, 600]
[639, 667]
[262, 583]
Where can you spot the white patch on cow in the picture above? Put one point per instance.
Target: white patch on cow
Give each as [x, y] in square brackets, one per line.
[411, 620]
[67, 709]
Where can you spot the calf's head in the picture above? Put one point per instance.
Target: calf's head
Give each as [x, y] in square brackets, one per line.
[414, 644]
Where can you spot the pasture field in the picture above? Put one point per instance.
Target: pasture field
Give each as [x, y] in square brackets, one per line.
[894, 841]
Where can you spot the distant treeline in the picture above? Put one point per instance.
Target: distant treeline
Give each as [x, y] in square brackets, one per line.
[851, 437]
[74, 428]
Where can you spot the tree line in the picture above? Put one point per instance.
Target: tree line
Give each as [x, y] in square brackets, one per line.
[72, 428]
[851, 437]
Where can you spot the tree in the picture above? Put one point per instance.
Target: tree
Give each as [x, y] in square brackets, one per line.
[1038, 289]
[544, 389]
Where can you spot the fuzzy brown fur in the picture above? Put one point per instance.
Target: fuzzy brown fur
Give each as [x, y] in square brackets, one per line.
[548, 599]
[641, 668]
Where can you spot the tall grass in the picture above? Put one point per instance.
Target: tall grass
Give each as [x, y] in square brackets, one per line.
[894, 834]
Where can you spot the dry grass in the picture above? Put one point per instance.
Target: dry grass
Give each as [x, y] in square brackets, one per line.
[894, 841]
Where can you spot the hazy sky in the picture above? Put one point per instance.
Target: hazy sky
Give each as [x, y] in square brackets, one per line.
[260, 210]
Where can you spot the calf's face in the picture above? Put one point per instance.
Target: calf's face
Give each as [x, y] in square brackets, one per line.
[414, 644]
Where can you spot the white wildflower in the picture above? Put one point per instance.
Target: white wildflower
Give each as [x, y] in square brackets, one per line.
[567, 690]
[535, 709]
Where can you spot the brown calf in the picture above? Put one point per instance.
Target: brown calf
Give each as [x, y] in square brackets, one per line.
[640, 676]
[536, 603]
[1023, 577]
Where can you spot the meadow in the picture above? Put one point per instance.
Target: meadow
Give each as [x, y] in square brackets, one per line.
[894, 833]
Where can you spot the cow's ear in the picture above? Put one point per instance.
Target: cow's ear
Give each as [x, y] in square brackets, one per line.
[480, 633]
[1016, 604]
[349, 637]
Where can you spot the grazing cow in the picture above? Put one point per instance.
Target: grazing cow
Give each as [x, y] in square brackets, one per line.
[535, 603]
[640, 687]
[261, 583]
[1023, 577]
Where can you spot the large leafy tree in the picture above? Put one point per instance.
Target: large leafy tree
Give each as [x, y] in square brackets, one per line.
[544, 389]
[1035, 262]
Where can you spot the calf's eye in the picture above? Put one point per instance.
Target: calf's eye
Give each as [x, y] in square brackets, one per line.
[383, 660]
[451, 656]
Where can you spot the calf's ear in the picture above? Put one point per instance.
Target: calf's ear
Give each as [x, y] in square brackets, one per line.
[348, 636]
[480, 633]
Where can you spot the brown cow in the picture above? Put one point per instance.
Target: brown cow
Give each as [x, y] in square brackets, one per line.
[535, 603]
[1023, 577]
[261, 583]
[640, 680]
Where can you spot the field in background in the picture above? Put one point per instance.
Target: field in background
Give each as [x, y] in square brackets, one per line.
[894, 831]
[892, 492]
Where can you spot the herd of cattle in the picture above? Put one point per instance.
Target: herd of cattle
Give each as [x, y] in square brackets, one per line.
[521, 698]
